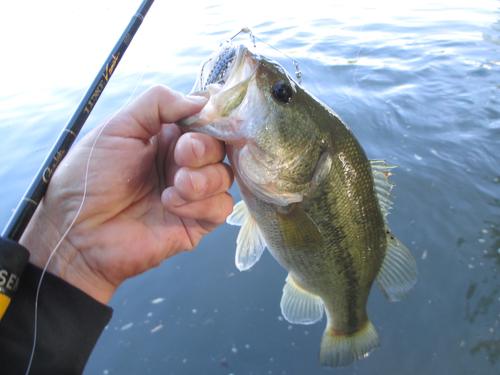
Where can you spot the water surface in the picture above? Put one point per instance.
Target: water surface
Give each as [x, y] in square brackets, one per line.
[418, 84]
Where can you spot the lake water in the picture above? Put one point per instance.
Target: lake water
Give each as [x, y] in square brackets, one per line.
[418, 83]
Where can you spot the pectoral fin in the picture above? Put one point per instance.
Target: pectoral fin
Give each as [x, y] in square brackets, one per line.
[299, 230]
[239, 215]
[298, 306]
[250, 243]
[398, 273]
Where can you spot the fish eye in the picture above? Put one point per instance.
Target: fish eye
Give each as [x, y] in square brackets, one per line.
[282, 92]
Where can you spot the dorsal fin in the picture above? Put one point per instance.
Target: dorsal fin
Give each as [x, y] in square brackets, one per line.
[398, 273]
[381, 172]
[250, 243]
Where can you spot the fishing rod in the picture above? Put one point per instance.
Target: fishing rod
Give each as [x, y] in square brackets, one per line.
[12, 259]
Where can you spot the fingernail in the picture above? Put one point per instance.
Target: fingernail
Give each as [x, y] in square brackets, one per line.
[199, 181]
[170, 198]
[201, 100]
[198, 148]
[196, 180]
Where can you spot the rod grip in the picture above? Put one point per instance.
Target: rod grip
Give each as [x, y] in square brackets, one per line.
[13, 261]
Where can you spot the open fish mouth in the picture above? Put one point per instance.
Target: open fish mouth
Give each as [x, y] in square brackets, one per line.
[224, 78]
[216, 67]
[219, 67]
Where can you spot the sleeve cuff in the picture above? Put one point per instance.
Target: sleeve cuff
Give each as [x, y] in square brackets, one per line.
[69, 325]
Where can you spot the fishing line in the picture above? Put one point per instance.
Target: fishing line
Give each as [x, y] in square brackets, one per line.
[74, 220]
[298, 73]
[355, 70]
[246, 30]
[353, 76]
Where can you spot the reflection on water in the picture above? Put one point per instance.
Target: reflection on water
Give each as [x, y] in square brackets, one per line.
[493, 37]
[418, 83]
[483, 298]
[492, 347]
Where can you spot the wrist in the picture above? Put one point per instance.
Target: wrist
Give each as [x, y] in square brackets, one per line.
[41, 238]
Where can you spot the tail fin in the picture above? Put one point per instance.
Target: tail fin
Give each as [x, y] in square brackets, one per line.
[341, 350]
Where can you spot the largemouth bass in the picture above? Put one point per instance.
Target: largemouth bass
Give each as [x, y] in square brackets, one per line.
[310, 195]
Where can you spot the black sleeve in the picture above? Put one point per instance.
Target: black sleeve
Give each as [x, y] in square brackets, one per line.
[69, 324]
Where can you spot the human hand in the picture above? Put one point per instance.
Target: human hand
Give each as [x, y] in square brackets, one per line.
[152, 192]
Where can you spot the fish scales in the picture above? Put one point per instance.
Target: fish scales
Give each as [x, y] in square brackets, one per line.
[310, 195]
[344, 250]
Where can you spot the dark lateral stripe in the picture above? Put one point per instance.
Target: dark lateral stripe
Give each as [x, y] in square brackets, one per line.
[345, 262]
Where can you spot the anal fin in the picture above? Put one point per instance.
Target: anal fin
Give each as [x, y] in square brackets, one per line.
[298, 306]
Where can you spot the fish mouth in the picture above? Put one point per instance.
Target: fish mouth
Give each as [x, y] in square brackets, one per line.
[216, 67]
[224, 79]
[219, 67]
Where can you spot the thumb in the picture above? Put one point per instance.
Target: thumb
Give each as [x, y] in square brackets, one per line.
[158, 105]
